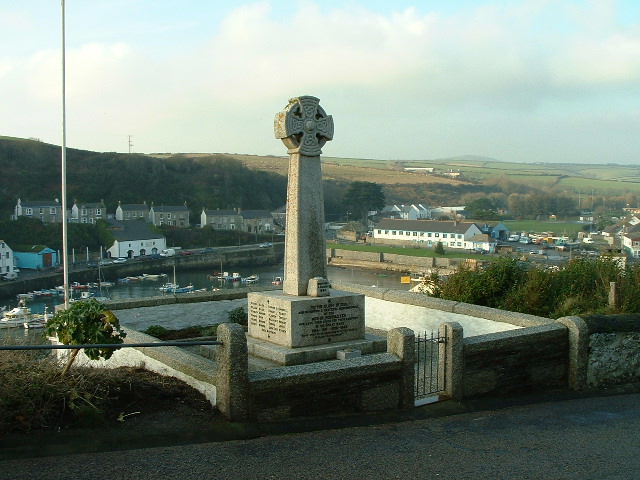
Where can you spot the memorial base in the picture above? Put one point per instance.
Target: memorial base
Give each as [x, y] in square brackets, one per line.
[301, 321]
[298, 356]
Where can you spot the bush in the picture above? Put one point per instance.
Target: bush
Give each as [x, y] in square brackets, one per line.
[86, 322]
[239, 316]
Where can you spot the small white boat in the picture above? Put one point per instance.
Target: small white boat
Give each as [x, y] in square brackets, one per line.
[147, 276]
[277, 281]
[251, 279]
[17, 317]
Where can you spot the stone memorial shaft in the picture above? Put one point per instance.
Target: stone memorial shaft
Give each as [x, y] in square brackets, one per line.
[304, 128]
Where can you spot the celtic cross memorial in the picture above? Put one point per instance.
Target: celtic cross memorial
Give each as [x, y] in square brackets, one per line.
[304, 128]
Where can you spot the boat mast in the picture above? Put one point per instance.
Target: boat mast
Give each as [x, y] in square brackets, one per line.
[65, 263]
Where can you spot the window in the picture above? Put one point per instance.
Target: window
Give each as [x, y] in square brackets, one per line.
[407, 233]
[393, 232]
[429, 234]
[436, 234]
[84, 220]
[415, 234]
[444, 235]
[386, 232]
[41, 211]
[98, 211]
[52, 210]
[422, 234]
[126, 215]
[379, 232]
[83, 212]
[28, 211]
[168, 215]
[459, 244]
[460, 236]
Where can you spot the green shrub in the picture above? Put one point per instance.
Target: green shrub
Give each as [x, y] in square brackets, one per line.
[238, 315]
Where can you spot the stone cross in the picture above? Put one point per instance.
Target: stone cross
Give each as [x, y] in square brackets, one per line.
[304, 128]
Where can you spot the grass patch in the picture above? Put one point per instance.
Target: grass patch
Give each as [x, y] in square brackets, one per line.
[410, 251]
[181, 333]
[537, 226]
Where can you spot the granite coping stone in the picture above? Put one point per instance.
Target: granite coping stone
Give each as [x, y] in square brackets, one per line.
[334, 370]
[514, 337]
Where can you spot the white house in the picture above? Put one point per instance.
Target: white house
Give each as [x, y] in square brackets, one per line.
[631, 243]
[135, 239]
[6, 261]
[406, 212]
[484, 242]
[427, 232]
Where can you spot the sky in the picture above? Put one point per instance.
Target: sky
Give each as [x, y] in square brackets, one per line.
[525, 81]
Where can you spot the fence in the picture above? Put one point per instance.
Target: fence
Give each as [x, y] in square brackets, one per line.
[427, 379]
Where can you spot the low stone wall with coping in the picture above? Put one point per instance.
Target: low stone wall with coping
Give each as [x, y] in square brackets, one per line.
[194, 370]
[367, 383]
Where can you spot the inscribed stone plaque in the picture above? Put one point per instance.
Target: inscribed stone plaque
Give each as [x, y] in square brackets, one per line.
[305, 321]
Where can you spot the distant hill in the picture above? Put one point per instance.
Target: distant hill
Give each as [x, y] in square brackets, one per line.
[31, 171]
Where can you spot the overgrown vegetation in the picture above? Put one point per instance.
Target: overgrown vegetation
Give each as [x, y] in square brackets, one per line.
[580, 287]
[35, 396]
[86, 322]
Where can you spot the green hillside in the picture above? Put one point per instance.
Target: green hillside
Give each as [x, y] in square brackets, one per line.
[31, 171]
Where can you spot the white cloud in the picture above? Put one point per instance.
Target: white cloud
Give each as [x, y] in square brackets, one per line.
[402, 84]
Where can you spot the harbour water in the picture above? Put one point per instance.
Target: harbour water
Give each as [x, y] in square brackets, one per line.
[201, 279]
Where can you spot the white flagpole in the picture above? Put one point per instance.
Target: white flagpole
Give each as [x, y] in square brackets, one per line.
[65, 256]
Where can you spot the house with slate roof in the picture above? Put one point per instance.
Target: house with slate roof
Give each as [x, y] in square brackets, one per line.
[132, 211]
[221, 219]
[173, 215]
[88, 212]
[426, 232]
[47, 211]
[135, 238]
[256, 221]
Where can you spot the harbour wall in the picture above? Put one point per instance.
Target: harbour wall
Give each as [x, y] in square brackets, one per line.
[227, 257]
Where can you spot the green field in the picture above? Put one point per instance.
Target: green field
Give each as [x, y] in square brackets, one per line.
[535, 226]
[412, 252]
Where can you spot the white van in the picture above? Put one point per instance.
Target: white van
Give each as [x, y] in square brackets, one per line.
[168, 252]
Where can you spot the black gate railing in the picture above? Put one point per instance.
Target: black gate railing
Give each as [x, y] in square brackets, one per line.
[427, 380]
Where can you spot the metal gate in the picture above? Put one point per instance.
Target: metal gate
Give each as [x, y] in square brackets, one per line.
[427, 379]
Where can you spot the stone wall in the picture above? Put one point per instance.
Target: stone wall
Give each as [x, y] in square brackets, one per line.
[524, 360]
[614, 358]
[360, 384]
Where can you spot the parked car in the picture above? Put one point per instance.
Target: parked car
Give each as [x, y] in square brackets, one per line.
[105, 261]
[185, 252]
[265, 245]
[119, 260]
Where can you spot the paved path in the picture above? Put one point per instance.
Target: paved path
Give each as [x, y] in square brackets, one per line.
[587, 438]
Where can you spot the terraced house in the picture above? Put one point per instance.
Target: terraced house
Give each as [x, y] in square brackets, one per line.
[88, 212]
[462, 235]
[47, 211]
[173, 215]
[132, 211]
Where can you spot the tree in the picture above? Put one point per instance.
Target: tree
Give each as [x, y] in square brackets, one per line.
[439, 248]
[86, 322]
[361, 197]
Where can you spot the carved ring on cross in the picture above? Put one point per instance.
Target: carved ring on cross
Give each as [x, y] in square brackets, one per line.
[303, 126]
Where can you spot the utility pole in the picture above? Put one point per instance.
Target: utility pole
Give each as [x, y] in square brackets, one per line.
[130, 143]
